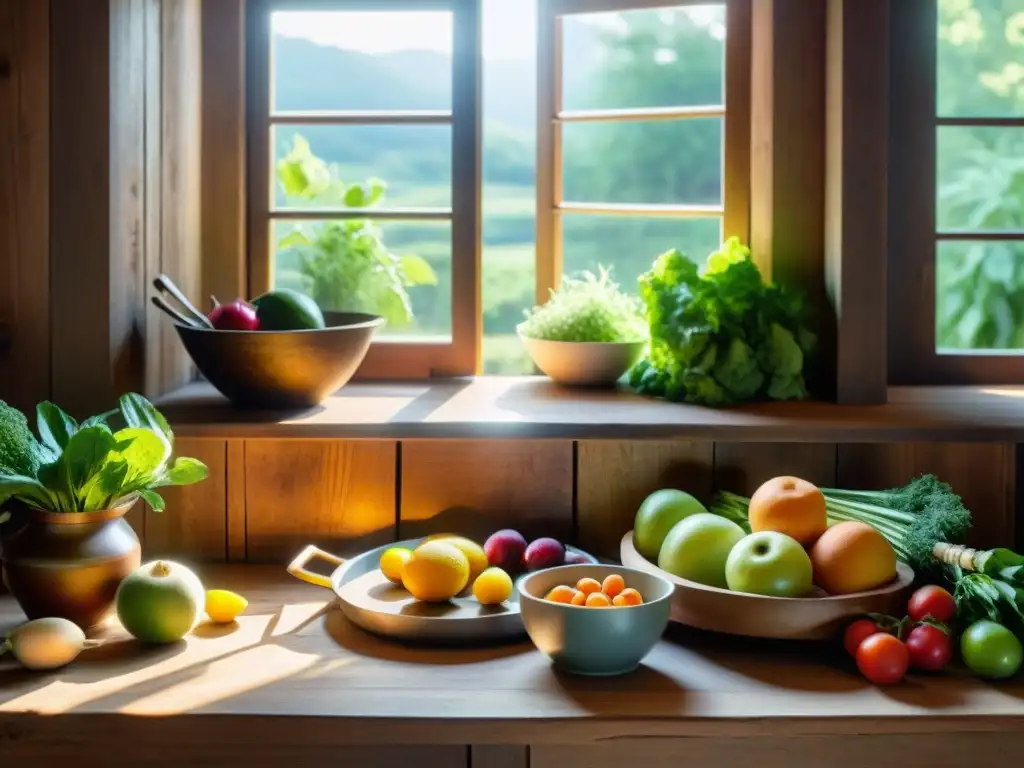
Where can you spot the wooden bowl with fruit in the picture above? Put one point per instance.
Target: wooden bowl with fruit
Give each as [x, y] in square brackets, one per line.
[276, 352]
[786, 572]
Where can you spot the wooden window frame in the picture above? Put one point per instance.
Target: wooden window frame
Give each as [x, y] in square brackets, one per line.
[735, 112]
[461, 355]
[914, 234]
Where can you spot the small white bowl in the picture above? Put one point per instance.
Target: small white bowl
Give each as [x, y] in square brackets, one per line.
[584, 363]
[595, 641]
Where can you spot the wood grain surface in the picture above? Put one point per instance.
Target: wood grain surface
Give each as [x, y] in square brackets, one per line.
[293, 674]
[870, 751]
[742, 467]
[614, 477]
[531, 407]
[856, 194]
[983, 475]
[194, 524]
[339, 495]
[25, 202]
[476, 487]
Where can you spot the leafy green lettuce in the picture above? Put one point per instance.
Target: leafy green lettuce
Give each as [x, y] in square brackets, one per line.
[87, 467]
[722, 336]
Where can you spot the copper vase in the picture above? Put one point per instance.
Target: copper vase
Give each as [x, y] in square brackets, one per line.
[69, 564]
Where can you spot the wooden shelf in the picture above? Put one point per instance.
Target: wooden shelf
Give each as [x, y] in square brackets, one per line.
[293, 671]
[531, 407]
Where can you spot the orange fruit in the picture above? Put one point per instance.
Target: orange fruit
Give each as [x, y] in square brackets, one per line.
[627, 597]
[435, 572]
[598, 600]
[852, 557]
[588, 586]
[561, 594]
[791, 506]
[580, 598]
[613, 584]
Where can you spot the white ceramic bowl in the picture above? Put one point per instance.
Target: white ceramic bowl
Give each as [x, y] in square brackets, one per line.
[584, 363]
[594, 641]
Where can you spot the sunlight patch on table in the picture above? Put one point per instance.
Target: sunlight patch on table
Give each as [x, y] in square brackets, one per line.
[86, 680]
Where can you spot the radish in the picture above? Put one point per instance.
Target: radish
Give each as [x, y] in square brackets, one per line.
[47, 643]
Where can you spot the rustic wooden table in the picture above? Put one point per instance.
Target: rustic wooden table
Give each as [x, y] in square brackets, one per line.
[293, 683]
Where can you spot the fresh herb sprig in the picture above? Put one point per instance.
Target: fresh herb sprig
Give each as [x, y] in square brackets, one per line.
[586, 308]
[87, 467]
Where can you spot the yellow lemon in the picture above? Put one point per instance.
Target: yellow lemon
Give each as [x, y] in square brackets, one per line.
[391, 563]
[474, 553]
[435, 572]
[493, 586]
[223, 606]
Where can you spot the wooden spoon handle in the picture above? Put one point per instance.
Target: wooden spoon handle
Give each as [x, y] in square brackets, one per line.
[164, 284]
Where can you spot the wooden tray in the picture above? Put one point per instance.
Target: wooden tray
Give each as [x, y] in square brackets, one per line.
[790, 618]
[372, 602]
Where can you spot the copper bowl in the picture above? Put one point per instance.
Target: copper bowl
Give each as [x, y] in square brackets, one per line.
[282, 369]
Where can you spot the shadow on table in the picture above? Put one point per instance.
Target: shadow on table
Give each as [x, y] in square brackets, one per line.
[352, 638]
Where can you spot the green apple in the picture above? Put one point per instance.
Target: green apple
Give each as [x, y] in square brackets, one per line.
[160, 602]
[697, 548]
[769, 563]
[658, 515]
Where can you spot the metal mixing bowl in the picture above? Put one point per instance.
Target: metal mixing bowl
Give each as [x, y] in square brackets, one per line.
[282, 369]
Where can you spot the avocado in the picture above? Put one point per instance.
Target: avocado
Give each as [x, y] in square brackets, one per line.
[286, 310]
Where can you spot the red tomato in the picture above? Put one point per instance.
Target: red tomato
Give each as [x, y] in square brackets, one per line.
[929, 647]
[932, 601]
[883, 659]
[857, 633]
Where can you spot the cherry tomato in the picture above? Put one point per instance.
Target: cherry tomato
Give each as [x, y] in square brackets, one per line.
[883, 659]
[857, 633]
[932, 601]
[930, 647]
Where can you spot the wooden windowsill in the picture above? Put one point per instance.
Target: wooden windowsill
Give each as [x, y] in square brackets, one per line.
[294, 673]
[531, 407]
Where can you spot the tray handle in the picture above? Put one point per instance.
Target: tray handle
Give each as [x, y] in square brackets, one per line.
[298, 566]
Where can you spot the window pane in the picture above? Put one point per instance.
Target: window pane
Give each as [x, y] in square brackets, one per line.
[981, 58]
[669, 161]
[401, 270]
[980, 178]
[509, 168]
[630, 245]
[980, 296]
[413, 161]
[348, 60]
[645, 58]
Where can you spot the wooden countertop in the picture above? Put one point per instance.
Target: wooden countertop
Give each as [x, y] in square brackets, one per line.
[511, 407]
[294, 671]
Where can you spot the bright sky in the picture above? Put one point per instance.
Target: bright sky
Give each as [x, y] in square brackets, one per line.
[508, 32]
[509, 28]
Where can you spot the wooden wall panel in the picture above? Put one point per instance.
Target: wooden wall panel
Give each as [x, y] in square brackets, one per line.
[742, 467]
[24, 202]
[194, 525]
[870, 751]
[236, 500]
[856, 218]
[477, 486]
[983, 475]
[339, 495]
[614, 477]
[223, 148]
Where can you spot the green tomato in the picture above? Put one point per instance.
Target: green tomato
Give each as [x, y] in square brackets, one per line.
[991, 650]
